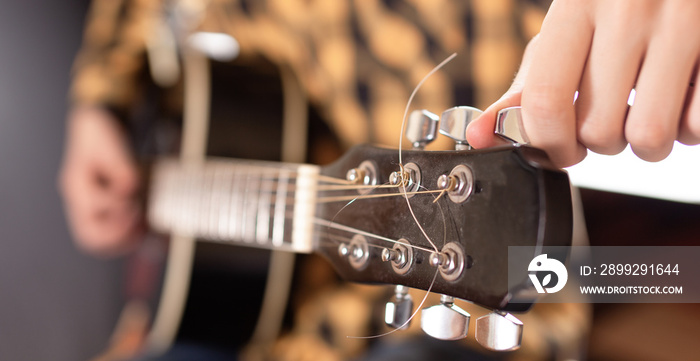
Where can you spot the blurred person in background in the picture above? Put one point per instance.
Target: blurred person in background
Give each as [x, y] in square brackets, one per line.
[357, 63]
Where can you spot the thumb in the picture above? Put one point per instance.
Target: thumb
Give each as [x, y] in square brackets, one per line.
[480, 132]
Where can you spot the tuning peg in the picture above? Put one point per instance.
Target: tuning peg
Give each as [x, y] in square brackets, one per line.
[445, 321]
[397, 313]
[499, 332]
[421, 128]
[454, 121]
[509, 125]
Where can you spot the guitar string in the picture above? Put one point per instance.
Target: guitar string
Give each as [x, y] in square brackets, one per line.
[401, 136]
[334, 225]
[287, 214]
[290, 188]
[405, 193]
[238, 178]
[408, 201]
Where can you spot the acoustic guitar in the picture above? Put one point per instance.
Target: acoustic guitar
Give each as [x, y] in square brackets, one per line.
[440, 221]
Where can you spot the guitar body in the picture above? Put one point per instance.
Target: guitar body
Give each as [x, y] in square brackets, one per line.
[228, 283]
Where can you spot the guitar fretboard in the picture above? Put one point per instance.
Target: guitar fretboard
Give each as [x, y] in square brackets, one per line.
[259, 204]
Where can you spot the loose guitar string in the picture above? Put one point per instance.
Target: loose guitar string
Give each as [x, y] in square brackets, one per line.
[427, 292]
[408, 202]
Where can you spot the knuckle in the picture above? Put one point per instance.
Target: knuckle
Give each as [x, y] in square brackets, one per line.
[601, 138]
[690, 132]
[652, 142]
[651, 138]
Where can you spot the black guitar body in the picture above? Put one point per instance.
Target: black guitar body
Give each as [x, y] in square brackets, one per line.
[228, 282]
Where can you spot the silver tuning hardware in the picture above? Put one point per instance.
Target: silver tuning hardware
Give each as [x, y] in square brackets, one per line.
[499, 332]
[509, 126]
[397, 313]
[365, 174]
[459, 184]
[357, 252]
[422, 128]
[454, 122]
[445, 321]
[400, 256]
[450, 261]
[410, 179]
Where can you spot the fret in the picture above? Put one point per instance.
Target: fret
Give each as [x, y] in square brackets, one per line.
[280, 205]
[161, 196]
[224, 205]
[218, 183]
[188, 203]
[235, 200]
[262, 232]
[304, 208]
[206, 190]
[250, 205]
[244, 173]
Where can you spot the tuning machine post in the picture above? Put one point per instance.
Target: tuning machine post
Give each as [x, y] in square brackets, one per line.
[499, 331]
[398, 310]
[454, 122]
[445, 321]
[459, 184]
[450, 261]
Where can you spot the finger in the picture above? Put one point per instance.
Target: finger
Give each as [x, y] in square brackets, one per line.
[689, 132]
[480, 132]
[611, 71]
[553, 78]
[653, 121]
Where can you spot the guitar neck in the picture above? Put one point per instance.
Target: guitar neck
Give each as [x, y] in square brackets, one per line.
[252, 203]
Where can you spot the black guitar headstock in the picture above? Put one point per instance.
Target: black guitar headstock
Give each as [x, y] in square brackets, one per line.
[494, 198]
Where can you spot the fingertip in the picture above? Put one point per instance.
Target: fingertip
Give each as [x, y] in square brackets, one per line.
[480, 132]
[652, 154]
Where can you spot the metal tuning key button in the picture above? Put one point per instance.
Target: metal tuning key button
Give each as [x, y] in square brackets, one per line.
[499, 332]
[421, 128]
[454, 122]
[397, 313]
[509, 126]
[445, 321]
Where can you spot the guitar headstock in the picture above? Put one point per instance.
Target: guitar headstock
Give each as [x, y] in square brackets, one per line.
[512, 197]
[457, 245]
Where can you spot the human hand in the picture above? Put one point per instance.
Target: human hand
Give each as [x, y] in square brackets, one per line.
[100, 183]
[604, 49]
